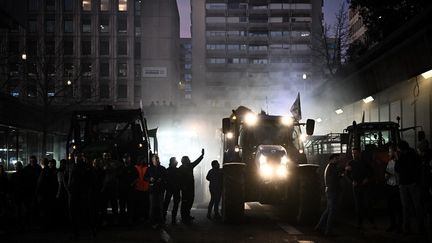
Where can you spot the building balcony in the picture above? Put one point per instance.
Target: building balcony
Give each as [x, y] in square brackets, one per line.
[280, 52]
[254, 12]
[258, 25]
[237, 12]
[301, 26]
[215, 12]
[280, 25]
[215, 53]
[237, 25]
[258, 39]
[236, 38]
[215, 39]
[237, 53]
[258, 53]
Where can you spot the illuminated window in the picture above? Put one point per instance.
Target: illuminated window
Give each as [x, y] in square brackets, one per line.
[86, 5]
[122, 5]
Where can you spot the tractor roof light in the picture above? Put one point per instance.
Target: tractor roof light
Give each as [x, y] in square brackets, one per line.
[427, 74]
[251, 119]
[368, 99]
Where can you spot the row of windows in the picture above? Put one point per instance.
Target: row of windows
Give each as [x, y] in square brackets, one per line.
[67, 46]
[238, 60]
[244, 19]
[272, 6]
[86, 5]
[244, 47]
[86, 25]
[69, 70]
[275, 33]
[86, 90]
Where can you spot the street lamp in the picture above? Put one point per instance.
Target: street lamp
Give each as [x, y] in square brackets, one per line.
[69, 82]
[304, 76]
[24, 56]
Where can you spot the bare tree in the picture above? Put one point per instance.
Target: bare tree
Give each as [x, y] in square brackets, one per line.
[334, 42]
[47, 81]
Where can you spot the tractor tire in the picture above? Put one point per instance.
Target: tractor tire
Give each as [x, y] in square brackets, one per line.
[309, 197]
[233, 192]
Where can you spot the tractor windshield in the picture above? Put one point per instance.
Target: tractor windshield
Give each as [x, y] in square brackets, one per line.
[269, 132]
[375, 138]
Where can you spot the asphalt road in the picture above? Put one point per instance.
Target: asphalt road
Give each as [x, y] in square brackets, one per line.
[262, 223]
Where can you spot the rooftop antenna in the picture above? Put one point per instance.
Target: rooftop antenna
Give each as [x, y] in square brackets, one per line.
[268, 112]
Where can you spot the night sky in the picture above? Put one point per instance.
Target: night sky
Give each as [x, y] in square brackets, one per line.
[330, 8]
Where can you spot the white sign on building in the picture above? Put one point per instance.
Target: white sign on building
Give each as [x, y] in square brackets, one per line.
[154, 72]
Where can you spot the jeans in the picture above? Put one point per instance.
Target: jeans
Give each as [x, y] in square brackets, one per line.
[188, 195]
[363, 204]
[394, 206]
[175, 194]
[215, 196]
[412, 193]
[156, 207]
[327, 217]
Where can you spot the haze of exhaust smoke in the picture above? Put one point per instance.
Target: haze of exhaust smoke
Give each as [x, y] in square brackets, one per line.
[185, 133]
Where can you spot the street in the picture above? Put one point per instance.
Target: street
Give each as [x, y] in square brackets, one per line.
[262, 224]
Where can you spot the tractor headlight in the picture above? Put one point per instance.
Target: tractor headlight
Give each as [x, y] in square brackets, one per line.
[266, 170]
[287, 121]
[284, 160]
[251, 119]
[262, 159]
[281, 171]
[229, 135]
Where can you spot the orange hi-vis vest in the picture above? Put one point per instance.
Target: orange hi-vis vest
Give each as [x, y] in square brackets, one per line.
[141, 185]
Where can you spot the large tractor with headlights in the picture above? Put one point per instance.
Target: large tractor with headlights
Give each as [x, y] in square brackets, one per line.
[94, 132]
[371, 138]
[263, 161]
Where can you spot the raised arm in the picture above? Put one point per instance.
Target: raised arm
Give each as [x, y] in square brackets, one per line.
[197, 161]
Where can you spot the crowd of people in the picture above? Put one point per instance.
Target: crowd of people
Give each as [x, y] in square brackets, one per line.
[80, 192]
[407, 187]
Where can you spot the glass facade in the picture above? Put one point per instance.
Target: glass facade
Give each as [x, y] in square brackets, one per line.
[19, 144]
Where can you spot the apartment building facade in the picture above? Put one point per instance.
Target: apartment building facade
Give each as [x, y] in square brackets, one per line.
[116, 52]
[254, 52]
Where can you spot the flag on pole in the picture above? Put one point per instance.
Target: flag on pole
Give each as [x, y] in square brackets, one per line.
[296, 109]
